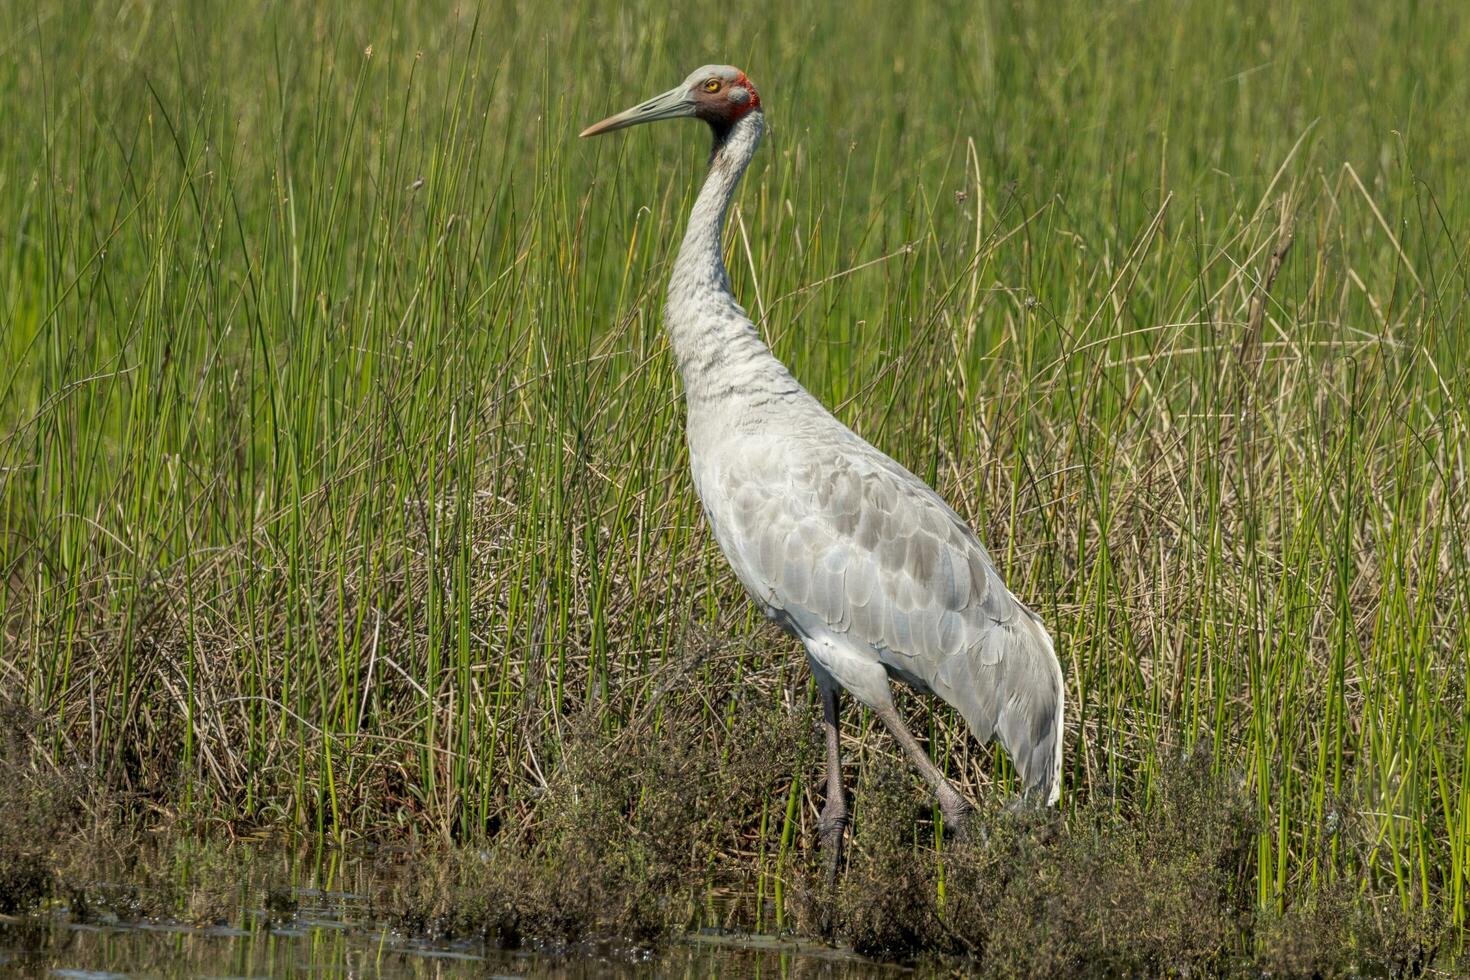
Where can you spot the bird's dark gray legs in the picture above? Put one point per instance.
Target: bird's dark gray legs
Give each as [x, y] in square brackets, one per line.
[832, 824]
[954, 806]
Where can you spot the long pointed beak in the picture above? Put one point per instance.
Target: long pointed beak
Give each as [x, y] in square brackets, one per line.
[672, 104]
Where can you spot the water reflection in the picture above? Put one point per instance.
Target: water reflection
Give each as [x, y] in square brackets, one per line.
[328, 937]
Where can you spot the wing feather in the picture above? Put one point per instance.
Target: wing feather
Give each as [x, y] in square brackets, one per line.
[848, 536]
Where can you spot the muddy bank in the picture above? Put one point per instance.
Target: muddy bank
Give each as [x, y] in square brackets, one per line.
[324, 925]
[1108, 891]
[634, 835]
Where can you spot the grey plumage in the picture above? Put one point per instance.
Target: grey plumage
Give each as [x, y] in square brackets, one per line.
[838, 543]
[829, 534]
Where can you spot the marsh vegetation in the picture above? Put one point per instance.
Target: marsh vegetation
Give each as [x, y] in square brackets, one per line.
[342, 481]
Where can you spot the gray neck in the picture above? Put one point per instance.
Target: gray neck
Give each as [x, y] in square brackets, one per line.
[719, 352]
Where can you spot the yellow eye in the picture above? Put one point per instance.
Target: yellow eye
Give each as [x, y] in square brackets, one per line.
[713, 85]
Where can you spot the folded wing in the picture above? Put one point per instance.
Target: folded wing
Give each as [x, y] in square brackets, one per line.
[857, 541]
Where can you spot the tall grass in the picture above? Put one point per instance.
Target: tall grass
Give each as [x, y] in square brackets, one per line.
[342, 460]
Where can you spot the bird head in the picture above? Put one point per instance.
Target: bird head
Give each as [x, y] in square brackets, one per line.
[718, 94]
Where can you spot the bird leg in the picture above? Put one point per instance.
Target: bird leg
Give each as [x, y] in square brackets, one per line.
[954, 806]
[832, 823]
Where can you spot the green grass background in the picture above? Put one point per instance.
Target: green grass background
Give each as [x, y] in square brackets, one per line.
[342, 464]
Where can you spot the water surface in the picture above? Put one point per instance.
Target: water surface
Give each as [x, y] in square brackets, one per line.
[329, 934]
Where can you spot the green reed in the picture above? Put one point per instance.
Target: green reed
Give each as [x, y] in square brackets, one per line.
[342, 457]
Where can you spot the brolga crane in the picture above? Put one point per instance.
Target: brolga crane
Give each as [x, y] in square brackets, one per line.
[858, 558]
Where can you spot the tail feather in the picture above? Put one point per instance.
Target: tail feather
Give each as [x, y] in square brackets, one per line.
[1020, 700]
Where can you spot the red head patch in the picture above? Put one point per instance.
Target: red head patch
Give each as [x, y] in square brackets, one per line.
[743, 81]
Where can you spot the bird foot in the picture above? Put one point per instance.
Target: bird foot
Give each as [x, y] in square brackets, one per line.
[831, 828]
[956, 810]
[832, 822]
